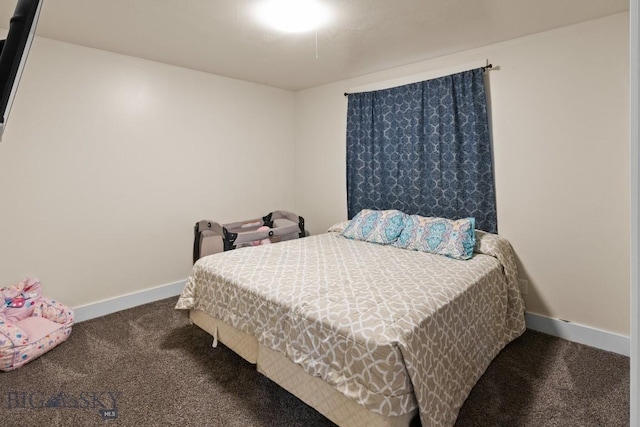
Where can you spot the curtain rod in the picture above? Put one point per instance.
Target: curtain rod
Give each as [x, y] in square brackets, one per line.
[485, 68]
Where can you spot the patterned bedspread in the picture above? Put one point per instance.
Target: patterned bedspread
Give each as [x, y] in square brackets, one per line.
[390, 328]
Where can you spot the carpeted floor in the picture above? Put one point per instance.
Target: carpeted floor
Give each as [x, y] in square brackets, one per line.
[161, 371]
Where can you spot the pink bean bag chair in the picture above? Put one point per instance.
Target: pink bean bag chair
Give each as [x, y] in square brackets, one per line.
[30, 324]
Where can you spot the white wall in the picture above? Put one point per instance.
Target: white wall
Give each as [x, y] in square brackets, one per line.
[634, 161]
[559, 106]
[108, 161]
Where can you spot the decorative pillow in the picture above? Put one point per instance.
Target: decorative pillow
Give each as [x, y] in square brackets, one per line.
[376, 226]
[452, 238]
[338, 227]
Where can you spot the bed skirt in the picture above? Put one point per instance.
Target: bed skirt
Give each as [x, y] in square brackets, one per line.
[311, 390]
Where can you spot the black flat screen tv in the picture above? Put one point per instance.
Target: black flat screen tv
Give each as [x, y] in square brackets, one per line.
[14, 51]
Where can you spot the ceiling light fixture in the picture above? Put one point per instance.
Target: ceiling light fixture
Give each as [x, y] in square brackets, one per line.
[292, 16]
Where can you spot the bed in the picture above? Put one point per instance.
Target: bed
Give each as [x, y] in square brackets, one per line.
[367, 334]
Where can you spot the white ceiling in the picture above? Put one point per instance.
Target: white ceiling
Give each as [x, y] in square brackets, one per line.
[221, 37]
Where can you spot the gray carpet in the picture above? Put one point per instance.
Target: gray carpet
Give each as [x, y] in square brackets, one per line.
[162, 371]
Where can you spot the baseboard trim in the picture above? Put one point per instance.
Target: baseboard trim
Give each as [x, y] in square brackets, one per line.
[582, 334]
[123, 302]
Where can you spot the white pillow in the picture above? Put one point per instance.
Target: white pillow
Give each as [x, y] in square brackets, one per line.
[338, 227]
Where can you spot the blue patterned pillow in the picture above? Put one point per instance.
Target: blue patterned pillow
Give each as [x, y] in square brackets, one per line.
[376, 226]
[452, 238]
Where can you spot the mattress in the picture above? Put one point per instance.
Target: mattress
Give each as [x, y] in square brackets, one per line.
[391, 329]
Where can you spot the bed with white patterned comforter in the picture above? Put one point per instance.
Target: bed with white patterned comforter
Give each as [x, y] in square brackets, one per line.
[390, 328]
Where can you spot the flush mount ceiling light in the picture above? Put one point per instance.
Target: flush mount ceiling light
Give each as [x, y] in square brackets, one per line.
[292, 16]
